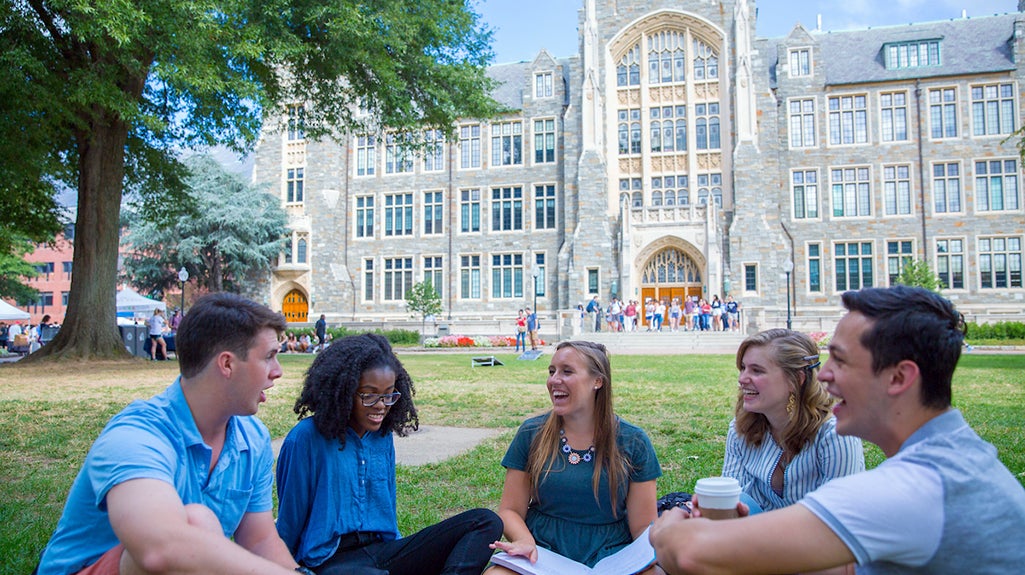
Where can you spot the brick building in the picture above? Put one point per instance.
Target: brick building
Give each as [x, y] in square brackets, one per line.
[678, 153]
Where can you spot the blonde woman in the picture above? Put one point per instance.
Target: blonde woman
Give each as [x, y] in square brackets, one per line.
[783, 442]
[579, 481]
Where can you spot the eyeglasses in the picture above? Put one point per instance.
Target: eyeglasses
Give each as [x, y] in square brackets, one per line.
[371, 399]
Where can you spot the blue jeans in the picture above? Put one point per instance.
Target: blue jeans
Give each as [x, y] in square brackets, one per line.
[456, 546]
[521, 340]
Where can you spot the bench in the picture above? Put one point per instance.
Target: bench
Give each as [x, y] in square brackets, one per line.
[485, 361]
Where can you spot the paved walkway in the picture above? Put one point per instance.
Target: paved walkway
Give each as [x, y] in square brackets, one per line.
[432, 444]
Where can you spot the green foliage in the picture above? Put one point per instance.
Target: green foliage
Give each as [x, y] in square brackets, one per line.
[1002, 331]
[14, 270]
[234, 231]
[423, 300]
[917, 273]
[99, 96]
[397, 337]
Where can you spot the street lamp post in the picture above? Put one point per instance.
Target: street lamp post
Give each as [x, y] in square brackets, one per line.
[535, 272]
[183, 276]
[788, 267]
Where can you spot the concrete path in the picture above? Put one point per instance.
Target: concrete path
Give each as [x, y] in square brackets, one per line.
[432, 444]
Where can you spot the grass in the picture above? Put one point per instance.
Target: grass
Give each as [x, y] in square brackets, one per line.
[49, 416]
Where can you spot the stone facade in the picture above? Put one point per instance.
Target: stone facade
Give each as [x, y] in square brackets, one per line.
[678, 154]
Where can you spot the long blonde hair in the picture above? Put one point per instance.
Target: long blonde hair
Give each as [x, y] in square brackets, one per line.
[798, 356]
[544, 449]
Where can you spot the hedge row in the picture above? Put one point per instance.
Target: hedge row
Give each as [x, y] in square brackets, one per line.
[395, 336]
[1002, 330]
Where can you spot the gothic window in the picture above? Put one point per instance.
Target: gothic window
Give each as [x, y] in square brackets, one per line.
[628, 71]
[671, 266]
[666, 58]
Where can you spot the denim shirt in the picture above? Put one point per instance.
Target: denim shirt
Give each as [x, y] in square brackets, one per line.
[326, 490]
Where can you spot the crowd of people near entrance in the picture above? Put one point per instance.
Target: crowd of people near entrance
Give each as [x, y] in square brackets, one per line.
[184, 482]
[693, 313]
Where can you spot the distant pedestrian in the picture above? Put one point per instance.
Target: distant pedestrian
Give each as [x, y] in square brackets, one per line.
[321, 327]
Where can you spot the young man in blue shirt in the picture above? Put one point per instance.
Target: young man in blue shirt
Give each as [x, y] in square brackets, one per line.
[181, 482]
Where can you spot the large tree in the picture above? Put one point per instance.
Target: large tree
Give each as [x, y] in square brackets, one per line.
[110, 88]
[234, 231]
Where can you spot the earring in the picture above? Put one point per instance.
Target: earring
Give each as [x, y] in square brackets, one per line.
[791, 405]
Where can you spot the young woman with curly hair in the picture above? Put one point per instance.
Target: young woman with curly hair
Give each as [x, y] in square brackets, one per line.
[336, 474]
[579, 481]
[783, 442]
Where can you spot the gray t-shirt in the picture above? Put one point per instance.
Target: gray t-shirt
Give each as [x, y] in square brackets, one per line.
[944, 504]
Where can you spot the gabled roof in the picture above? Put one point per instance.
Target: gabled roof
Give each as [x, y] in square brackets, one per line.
[967, 46]
[515, 79]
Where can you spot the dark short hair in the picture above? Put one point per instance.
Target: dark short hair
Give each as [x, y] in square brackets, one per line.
[221, 322]
[912, 323]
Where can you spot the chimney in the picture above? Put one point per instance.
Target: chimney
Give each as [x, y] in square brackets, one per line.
[818, 18]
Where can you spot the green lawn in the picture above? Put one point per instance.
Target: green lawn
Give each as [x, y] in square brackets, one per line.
[50, 416]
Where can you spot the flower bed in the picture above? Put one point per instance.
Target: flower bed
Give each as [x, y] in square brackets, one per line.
[467, 341]
[821, 338]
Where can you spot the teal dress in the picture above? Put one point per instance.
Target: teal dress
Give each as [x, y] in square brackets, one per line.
[566, 518]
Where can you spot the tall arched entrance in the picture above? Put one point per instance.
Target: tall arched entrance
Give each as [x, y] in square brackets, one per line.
[670, 274]
[295, 306]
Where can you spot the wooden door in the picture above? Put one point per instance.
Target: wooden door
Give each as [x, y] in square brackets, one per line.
[295, 307]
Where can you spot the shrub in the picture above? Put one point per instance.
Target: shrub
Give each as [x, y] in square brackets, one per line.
[1001, 330]
[394, 336]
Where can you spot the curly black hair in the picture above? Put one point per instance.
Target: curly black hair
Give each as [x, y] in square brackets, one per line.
[331, 383]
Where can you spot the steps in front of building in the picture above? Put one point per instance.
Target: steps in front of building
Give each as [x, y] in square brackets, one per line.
[666, 342]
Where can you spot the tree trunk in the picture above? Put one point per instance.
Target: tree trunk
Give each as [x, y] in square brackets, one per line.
[90, 327]
[216, 275]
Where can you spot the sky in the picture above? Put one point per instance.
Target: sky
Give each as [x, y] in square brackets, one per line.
[523, 27]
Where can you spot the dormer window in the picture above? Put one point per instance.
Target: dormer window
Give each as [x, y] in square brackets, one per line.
[915, 54]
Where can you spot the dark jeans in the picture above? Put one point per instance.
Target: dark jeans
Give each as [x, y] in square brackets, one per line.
[456, 546]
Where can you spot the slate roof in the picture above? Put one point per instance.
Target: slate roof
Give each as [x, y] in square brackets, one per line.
[967, 46]
[514, 79]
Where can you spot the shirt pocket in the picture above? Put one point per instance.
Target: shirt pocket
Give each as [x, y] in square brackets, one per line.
[230, 506]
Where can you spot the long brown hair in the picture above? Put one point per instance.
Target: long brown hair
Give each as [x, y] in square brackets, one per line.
[544, 450]
[798, 356]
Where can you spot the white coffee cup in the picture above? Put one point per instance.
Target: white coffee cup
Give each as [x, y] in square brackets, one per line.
[718, 497]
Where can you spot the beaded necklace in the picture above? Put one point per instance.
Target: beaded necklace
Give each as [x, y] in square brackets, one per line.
[575, 456]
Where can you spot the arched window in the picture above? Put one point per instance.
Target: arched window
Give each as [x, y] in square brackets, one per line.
[706, 62]
[656, 198]
[628, 71]
[670, 198]
[671, 266]
[638, 200]
[300, 255]
[701, 132]
[666, 58]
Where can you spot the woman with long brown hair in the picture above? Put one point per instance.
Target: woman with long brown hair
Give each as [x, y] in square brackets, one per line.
[579, 480]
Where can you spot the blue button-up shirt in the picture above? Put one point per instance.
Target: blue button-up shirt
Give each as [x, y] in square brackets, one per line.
[158, 439]
[326, 490]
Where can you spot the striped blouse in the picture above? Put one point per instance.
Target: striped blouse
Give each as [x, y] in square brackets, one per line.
[827, 457]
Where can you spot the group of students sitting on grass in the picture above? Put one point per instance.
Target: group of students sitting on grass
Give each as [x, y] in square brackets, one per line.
[182, 482]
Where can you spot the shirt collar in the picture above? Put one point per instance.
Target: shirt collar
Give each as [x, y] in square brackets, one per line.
[945, 423]
[190, 431]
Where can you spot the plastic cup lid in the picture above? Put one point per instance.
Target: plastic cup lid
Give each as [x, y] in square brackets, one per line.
[717, 486]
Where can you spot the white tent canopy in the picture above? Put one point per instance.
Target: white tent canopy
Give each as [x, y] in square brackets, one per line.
[129, 300]
[8, 312]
